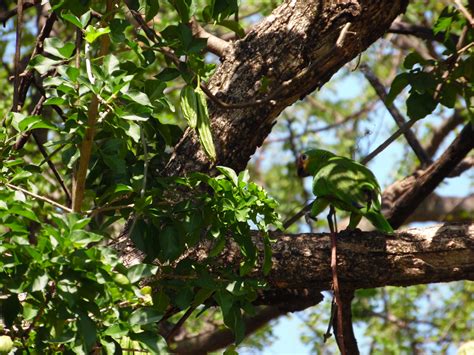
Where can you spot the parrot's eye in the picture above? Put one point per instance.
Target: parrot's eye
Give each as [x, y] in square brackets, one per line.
[304, 157]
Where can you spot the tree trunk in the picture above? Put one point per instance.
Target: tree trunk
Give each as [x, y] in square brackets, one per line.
[295, 50]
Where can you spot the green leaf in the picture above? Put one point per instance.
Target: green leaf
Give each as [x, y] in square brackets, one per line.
[151, 9]
[145, 315]
[29, 311]
[201, 296]
[151, 340]
[54, 101]
[140, 271]
[420, 105]
[39, 283]
[23, 211]
[449, 92]
[42, 64]
[189, 105]
[399, 83]
[412, 59]
[24, 123]
[85, 18]
[11, 307]
[88, 331]
[57, 48]
[267, 260]
[137, 96]
[161, 301]
[170, 245]
[168, 74]
[229, 173]
[423, 82]
[233, 26]
[225, 300]
[68, 16]
[230, 350]
[204, 126]
[117, 29]
[92, 33]
[184, 9]
[116, 330]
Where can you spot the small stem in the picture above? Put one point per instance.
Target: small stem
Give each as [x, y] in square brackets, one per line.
[16, 83]
[79, 183]
[38, 197]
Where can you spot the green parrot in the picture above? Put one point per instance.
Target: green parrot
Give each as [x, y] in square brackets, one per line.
[344, 184]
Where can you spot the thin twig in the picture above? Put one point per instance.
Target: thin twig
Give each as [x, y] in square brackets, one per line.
[5, 16]
[16, 82]
[98, 210]
[38, 197]
[180, 323]
[465, 12]
[406, 126]
[423, 157]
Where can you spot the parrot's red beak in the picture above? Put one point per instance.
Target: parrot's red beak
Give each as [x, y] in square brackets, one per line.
[301, 163]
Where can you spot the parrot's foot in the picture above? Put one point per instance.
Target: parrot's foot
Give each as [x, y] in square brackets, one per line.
[309, 218]
[348, 232]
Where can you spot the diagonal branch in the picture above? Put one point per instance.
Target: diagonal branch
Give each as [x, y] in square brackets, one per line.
[397, 116]
[218, 339]
[431, 177]
[442, 131]
[6, 15]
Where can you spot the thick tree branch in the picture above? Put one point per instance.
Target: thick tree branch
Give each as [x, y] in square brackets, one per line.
[440, 253]
[218, 339]
[442, 131]
[439, 208]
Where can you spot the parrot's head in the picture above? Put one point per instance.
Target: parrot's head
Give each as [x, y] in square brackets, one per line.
[311, 161]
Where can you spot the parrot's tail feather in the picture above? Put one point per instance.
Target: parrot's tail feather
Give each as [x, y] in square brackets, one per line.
[379, 221]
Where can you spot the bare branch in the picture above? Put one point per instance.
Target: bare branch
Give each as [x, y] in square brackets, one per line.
[6, 15]
[17, 69]
[431, 177]
[212, 341]
[215, 44]
[39, 197]
[397, 116]
[426, 33]
[442, 131]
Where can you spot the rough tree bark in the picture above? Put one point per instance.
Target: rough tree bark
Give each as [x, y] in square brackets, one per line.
[295, 50]
[438, 253]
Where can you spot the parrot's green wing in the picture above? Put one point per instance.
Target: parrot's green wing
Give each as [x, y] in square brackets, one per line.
[352, 187]
[350, 183]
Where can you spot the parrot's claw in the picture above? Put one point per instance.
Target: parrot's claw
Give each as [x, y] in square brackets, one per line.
[309, 218]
